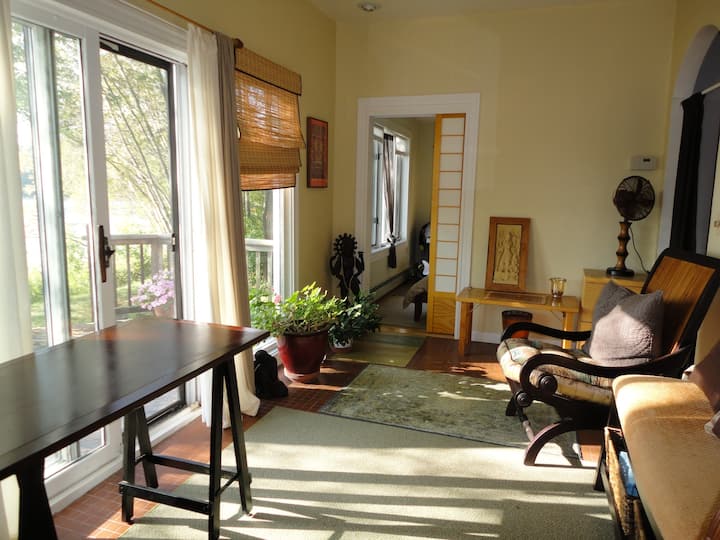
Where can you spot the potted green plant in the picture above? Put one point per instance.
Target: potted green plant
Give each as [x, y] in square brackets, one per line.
[300, 323]
[359, 317]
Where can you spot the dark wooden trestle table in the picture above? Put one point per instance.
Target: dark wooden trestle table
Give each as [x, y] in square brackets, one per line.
[55, 396]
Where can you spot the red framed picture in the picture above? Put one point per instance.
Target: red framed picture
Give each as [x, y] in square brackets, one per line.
[317, 153]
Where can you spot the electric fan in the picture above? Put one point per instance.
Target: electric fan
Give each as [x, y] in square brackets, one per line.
[634, 198]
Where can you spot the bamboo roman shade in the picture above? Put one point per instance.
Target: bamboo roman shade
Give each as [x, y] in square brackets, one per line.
[269, 122]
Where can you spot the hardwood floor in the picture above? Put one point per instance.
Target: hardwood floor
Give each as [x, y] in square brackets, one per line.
[97, 514]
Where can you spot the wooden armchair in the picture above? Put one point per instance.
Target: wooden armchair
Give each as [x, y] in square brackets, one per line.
[574, 383]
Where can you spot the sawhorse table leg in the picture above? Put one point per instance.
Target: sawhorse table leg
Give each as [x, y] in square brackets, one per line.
[223, 379]
[36, 519]
[136, 428]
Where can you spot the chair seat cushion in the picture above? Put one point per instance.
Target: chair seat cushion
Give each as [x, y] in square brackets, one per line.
[514, 352]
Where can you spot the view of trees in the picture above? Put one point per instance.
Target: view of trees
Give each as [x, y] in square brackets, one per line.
[49, 94]
[137, 144]
[137, 131]
[258, 218]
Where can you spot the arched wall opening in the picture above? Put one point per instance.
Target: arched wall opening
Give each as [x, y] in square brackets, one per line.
[699, 71]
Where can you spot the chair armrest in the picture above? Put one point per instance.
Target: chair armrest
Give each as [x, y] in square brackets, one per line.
[668, 365]
[545, 330]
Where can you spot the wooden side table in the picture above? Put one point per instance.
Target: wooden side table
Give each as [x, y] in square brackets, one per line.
[569, 306]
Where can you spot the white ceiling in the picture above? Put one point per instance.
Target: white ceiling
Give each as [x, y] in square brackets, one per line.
[348, 10]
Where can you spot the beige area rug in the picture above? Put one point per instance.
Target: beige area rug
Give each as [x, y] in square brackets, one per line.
[321, 477]
[383, 349]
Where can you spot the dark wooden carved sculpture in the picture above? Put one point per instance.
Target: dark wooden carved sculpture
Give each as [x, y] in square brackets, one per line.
[346, 264]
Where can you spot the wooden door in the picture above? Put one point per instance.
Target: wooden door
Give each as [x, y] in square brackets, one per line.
[445, 220]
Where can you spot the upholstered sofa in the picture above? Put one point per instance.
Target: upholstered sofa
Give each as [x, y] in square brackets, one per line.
[675, 461]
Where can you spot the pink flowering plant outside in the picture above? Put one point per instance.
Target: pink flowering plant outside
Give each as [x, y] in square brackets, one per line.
[156, 291]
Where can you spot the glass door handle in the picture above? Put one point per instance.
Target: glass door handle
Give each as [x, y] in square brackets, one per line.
[105, 252]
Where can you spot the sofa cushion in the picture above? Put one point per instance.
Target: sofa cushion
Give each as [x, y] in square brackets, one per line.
[673, 458]
[706, 374]
[627, 327]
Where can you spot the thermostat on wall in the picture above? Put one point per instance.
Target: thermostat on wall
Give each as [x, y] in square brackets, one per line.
[643, 163]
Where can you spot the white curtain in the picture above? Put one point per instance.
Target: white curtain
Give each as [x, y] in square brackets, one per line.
[216, 295]
[15, 328]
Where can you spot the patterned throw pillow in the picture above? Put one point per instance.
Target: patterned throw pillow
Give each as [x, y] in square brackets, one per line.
[627, 327]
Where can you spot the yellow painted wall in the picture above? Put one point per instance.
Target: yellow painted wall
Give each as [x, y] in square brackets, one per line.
[567, 96]
[296, 35]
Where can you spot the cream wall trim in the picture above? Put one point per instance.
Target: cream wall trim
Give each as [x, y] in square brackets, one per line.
[409, 106]
[684, 85]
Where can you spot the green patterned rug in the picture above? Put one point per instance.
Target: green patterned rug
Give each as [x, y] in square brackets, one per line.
[466, 407]
[384, 349]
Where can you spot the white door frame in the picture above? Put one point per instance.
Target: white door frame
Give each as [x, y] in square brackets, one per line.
[413, 106]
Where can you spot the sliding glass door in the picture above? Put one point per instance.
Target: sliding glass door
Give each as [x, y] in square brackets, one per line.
[57, 203]
[96, 147]
[139, 133]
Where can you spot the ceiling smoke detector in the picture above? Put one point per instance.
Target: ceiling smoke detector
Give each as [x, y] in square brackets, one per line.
[368, 7]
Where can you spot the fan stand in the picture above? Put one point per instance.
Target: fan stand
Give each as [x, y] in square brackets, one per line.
[620, 270]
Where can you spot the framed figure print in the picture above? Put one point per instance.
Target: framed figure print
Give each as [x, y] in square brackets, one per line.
[507, 254]
[317, 153]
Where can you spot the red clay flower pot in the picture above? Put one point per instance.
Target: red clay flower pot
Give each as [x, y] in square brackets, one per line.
[302, 354]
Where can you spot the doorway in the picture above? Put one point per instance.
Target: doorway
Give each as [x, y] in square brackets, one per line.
[370, 109]
[411, 141]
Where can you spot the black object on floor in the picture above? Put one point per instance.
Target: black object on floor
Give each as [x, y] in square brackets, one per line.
[267, 383]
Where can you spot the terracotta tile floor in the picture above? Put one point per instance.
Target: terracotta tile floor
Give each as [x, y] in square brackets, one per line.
[97, 514]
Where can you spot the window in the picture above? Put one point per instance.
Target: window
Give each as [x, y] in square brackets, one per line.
[268, 216]
[270, 139]
[399, 155]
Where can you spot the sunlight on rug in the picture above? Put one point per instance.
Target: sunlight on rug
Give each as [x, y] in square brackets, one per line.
[321, 477]
[383, 349]
[468, 407]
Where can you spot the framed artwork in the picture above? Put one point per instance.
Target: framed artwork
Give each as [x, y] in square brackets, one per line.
[507, 254]
[317, 153]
